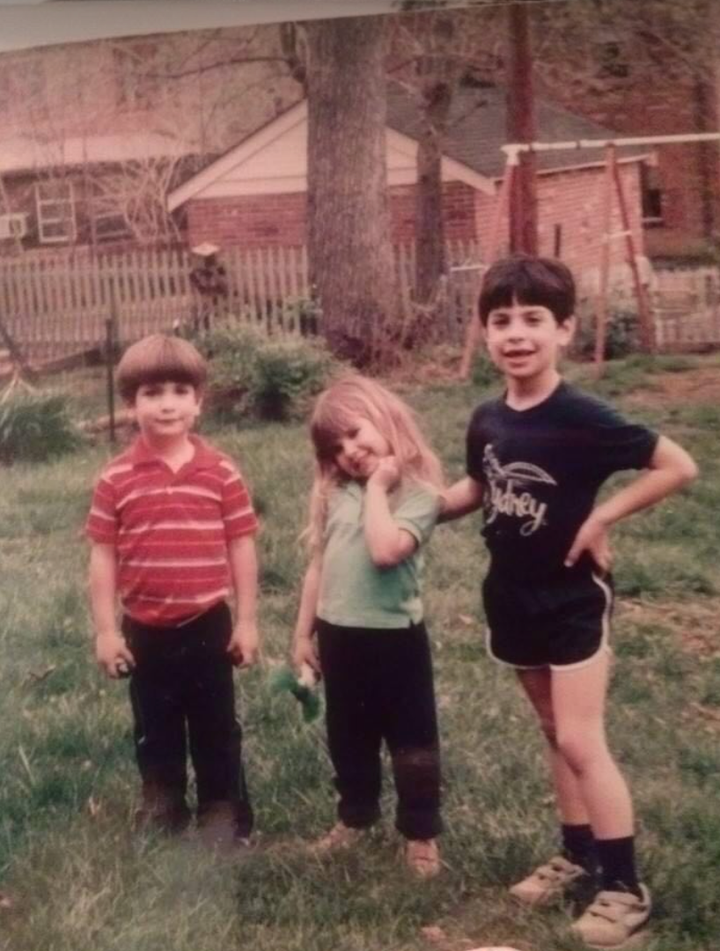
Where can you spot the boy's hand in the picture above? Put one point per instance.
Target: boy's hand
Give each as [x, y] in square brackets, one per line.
[113, 655]
[386, 474]
[305, 652]
[592, 537]
[243, 645]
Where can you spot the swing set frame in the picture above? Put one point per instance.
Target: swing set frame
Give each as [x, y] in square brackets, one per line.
[613, 191]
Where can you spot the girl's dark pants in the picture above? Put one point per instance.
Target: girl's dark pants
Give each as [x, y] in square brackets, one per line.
[379, 686]
[182, 690]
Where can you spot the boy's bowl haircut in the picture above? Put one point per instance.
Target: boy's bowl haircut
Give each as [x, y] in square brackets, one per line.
[157, 359]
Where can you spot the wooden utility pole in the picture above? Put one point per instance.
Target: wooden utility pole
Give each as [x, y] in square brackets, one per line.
[521, 128]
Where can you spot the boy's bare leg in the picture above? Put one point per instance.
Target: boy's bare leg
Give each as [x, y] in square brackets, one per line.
[578, 703]
[537, 684]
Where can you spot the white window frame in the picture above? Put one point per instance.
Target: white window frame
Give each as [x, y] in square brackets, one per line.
[44, 220]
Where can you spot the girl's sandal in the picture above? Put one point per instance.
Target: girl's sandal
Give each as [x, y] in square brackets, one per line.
[422, 856]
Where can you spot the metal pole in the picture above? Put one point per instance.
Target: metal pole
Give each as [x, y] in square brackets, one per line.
[109, 361]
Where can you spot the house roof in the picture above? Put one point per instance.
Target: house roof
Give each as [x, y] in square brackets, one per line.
[20, 154]
[473, 147]
[476, 130]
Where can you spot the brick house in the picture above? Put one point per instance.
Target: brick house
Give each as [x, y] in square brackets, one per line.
[254, 194]
[681, 189]
[93, 135]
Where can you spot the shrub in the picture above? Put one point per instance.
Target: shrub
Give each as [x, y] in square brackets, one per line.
[288, 373]
[621, 335]
[270, 378]
[233, 355]
[35, 428]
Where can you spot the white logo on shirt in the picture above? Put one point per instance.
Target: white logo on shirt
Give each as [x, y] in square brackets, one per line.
[505, 497]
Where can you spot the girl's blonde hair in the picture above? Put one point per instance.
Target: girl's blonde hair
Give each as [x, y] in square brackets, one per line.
[343, 401]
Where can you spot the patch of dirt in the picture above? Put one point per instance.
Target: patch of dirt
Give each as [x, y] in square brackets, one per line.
[695, 623]
[701, 385]
[440, 364]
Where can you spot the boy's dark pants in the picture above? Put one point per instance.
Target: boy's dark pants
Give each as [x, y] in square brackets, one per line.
[182, 689]
[379, 686]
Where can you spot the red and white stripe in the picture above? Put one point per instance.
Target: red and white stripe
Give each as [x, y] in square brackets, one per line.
[170, 530]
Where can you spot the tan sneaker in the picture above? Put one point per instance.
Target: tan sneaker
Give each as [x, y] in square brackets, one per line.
[548, 883]
[338, 838]
[422, 856]
[615, 920]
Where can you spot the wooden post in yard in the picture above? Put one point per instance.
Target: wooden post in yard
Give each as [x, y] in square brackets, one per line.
[601, 306]
[521, 128]
[647, 330]
[474, 328]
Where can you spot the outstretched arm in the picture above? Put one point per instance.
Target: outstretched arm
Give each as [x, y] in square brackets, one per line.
[460, 499]
[670, 468]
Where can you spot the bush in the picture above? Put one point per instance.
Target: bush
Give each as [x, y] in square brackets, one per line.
[288, 374]
[621, 335]
[484, 372]
[268, 378]
[35, 428]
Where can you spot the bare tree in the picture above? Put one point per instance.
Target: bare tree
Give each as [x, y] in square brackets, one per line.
[169, 102]
[349, 246]
[434, 52]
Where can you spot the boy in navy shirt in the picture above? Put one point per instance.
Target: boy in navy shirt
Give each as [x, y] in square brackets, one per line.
[536, 458]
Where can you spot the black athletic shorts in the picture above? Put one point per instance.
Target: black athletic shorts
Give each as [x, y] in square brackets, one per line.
[562, 621]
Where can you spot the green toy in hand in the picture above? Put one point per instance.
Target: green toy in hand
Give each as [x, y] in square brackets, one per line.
[302, 687]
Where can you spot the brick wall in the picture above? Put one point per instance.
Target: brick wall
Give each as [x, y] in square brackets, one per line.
[688, 174]
[570, 200]
[279, 220]
[248, 220]
[573, 201]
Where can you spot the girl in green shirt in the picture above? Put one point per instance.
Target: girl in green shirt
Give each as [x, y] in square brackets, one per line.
[374, 504]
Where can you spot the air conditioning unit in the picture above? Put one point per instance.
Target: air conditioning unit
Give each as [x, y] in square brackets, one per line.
[13, 226]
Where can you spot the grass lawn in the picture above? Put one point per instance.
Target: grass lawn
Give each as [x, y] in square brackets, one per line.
[77, 878]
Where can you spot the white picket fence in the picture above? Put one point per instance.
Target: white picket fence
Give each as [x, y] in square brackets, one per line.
[686, 304]
[60, 304]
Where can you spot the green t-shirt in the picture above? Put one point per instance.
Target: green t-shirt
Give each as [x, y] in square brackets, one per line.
[354, 592]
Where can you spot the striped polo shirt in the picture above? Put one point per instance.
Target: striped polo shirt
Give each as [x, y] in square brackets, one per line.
[170, 530]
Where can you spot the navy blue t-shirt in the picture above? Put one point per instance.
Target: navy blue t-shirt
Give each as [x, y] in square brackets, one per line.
[541, 469]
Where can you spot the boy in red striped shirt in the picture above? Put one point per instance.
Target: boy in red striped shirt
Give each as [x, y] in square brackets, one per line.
[173, 531]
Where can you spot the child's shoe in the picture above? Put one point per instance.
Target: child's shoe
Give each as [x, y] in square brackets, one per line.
[338, 838]
[549, 882]
[161, 810]
[422, 856]
[615, 920]
[218, 829]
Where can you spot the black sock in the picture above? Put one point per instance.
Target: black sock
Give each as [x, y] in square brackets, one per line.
[617, 861]
[578, 845]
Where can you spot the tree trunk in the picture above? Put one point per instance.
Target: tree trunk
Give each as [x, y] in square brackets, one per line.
[430, 230]
[351, 259]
